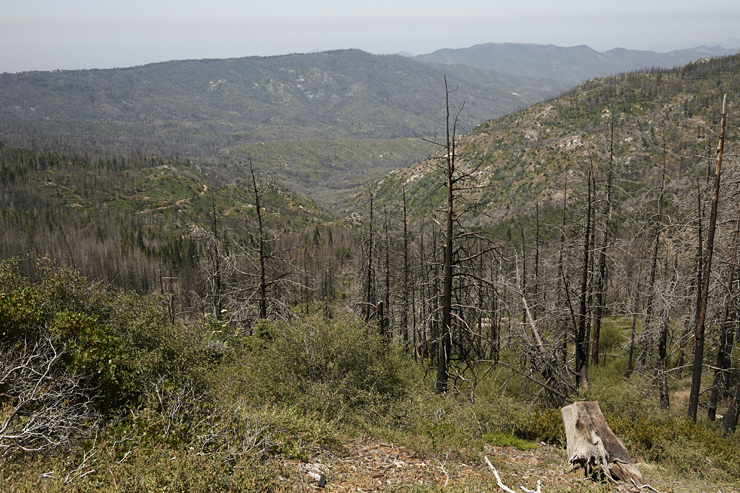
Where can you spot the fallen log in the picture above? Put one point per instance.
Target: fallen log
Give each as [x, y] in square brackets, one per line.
[593, 447]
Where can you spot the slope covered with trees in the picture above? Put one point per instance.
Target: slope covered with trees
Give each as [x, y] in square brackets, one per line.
[199, 108]
[555, 254]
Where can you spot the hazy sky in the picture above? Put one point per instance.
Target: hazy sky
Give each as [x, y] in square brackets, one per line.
[70, 34]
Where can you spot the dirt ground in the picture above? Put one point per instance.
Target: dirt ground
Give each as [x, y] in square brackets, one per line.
[369, 465]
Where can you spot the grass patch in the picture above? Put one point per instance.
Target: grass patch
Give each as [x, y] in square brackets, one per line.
[502, 439]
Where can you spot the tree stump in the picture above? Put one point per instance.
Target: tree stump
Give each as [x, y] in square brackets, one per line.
[593, 447]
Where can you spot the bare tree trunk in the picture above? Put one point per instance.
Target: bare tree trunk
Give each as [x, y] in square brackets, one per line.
[724, 353]
[405, 307]
[435, 330]
[697, 281]
[480, 308]
[601, 287]
[536, 260]
[699, 332]
[561, 277]
[524, 274]
[581, 342]
[630, 366]
[423, 296]
[260, 247]
[446, 343]
[590, 315]
[385, 323]
[660, 366]
[369, 301]
[494, 330]
[217, 302]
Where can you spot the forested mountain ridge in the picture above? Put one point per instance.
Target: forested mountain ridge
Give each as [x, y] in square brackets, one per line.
[203, 108]
[291, 104]
[568, 64]
[205, 105]
[524, 157]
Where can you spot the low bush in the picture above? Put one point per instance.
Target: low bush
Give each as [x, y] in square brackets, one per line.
[332, 368]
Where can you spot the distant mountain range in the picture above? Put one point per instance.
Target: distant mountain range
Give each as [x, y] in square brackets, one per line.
[570, 65]
[212, 104]
[368, 106]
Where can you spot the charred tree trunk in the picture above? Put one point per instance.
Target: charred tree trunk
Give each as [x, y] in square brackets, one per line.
[581, 342]
[446, 342]
[724, 354]
[260, 248]
[661, 363]
[602, 282]
[369, 298]
[699, 331]
[697, 282]
[561, 286]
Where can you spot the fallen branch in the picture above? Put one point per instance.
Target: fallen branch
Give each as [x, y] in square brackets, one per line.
[507, 489]
[647, 486]
[442, 468]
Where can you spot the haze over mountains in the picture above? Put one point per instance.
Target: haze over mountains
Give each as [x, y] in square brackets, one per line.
[571, 65]
[317, 105]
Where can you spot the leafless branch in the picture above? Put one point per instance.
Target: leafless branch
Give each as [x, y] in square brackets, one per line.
[43, 409]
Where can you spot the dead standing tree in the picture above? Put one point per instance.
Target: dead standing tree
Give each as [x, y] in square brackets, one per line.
[262, 285]
[602, 281]
[251, 271]
[453, 233]
[451, 180]
[581, 343]
[699, 329]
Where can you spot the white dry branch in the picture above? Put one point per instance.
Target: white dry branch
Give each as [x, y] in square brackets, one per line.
[41, 408]
[506, 488]
[442, 468]
[89, 457]
[230, 438]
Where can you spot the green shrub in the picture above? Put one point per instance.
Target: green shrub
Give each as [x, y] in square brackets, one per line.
[327, 366]
[542, 425]
[119, 343]
[502, 439]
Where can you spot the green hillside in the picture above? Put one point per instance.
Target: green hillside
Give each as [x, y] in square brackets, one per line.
[201, 106]
[524, 157]
[326, 169]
